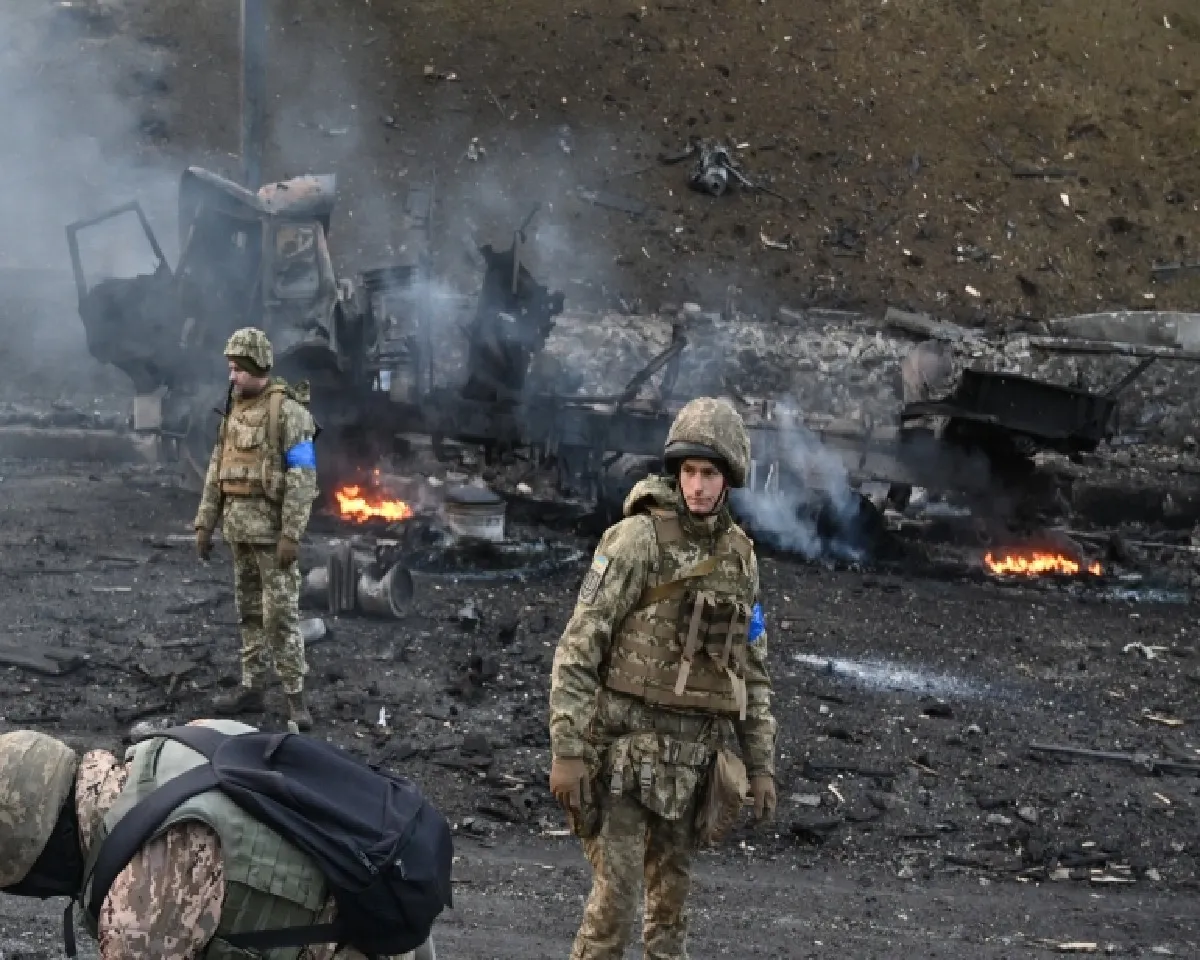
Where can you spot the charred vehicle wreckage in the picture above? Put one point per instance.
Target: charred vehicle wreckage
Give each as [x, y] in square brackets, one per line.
[385, 357]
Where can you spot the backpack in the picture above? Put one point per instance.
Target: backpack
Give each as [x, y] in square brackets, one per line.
[384, 850]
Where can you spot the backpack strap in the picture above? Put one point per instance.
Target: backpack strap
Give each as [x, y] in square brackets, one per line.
[136, 827]
[108, 859]
[139, 824]
[274, 407]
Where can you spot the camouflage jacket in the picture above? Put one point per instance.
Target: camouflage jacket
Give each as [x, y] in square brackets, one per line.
[259, 519]
[624, 561]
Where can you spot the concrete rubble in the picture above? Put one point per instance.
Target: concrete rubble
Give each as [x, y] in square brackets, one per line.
[846, 366]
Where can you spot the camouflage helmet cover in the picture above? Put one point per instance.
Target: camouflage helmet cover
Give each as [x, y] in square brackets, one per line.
[710, 428]
[36, 775]
[251, 344]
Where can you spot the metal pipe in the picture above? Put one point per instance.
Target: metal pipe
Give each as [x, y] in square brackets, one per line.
[253, 94]
[388, 597]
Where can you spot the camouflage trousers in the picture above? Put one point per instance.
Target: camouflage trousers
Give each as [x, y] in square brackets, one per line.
[268, 606]
[633, 843]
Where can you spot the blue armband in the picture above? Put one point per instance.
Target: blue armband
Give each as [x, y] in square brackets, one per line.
[758, 623]
[303, 455]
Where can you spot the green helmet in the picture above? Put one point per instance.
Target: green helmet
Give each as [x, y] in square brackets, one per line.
[709, 428]
[251, 344]
[36, 775]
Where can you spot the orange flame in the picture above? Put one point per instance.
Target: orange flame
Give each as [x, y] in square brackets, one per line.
[354, 506]
[1036, 563]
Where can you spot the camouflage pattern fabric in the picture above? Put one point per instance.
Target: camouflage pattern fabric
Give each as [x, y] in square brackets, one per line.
[627, 553]
[252, 344]
[257, 519]
[268, 606]
[36, 773]
[166, 904]
[714, 423]
[632, 842]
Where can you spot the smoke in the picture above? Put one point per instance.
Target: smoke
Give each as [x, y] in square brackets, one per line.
[802, 502]
[79, 110]
[76, 135]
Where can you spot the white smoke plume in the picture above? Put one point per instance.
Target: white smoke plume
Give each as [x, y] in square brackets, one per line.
[803, 503]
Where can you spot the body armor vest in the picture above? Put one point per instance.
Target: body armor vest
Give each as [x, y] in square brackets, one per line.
[251, 461]
[268, 882]
[684, 644]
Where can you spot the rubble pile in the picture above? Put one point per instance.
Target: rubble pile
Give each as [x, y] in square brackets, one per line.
[846, 365]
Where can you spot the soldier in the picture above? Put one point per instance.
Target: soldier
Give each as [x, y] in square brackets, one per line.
[213, 870]
[261, 484]
[663, 660]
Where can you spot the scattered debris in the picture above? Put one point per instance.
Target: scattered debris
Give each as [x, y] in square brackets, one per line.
[1144, 761]
[1149, 651]
[614, 201]
[47, 661]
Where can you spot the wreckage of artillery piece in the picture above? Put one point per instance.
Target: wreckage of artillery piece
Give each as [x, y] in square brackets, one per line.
[823, 392]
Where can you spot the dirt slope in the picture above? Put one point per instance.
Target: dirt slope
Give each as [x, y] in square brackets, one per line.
[895, 128]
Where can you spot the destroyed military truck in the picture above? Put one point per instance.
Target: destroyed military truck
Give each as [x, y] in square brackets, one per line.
[263, 259]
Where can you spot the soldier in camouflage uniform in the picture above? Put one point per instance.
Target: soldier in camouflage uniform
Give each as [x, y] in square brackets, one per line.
[663, 660]
[183, 889]
[261, 484]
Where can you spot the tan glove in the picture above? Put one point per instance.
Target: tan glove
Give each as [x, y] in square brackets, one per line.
[762, 789]
[204, 543]
[287, 551]
[569, 782]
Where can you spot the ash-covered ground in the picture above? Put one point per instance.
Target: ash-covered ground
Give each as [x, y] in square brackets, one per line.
[913, 815]
[991, 163]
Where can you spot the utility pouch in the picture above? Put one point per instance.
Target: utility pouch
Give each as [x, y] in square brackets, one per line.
[724, 793]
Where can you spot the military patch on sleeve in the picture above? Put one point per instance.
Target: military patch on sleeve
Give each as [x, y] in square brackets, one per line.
[594, 578]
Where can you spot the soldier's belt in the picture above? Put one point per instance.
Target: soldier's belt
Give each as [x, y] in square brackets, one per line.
[242, 488]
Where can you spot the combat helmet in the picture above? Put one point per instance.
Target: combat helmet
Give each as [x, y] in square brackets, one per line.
[709, 428]
[250, 343]
[36, 776]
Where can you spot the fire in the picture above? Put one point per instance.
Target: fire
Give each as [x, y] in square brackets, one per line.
[1034, 563]
[354, 506]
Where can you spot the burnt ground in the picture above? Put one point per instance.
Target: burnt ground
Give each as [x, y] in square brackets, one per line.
[903, 135]
[912, 814]
[899, 132]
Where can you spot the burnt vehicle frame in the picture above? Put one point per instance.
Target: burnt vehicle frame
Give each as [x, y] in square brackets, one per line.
[366, 348]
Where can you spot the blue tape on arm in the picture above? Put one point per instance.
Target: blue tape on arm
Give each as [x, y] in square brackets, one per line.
[758, 623]
[303, 455]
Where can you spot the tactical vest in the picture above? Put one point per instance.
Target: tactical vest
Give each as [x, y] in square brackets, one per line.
[251, 459]
[268, 882]
[684, 644]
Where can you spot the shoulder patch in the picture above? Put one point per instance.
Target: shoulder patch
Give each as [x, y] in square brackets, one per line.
[594, 578]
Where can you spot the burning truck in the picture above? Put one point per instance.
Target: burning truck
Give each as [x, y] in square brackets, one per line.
[375, 351]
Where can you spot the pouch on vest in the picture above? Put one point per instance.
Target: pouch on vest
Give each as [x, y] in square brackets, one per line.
[725, 790]
[659, 771]
[720, 629]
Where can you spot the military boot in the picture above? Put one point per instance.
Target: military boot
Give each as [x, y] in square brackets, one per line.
[298, 712]
[242, 700]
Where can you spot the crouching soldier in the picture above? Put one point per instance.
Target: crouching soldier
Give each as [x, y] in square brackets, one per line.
[211, 871]
[661, 665]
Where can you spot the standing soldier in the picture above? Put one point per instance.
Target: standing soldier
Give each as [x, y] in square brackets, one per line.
[261, 484]
[662, 663]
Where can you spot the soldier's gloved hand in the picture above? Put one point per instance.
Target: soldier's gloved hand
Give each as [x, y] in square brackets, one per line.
[287, 551]
[569, 782]
[762, 790]
[203, 543]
